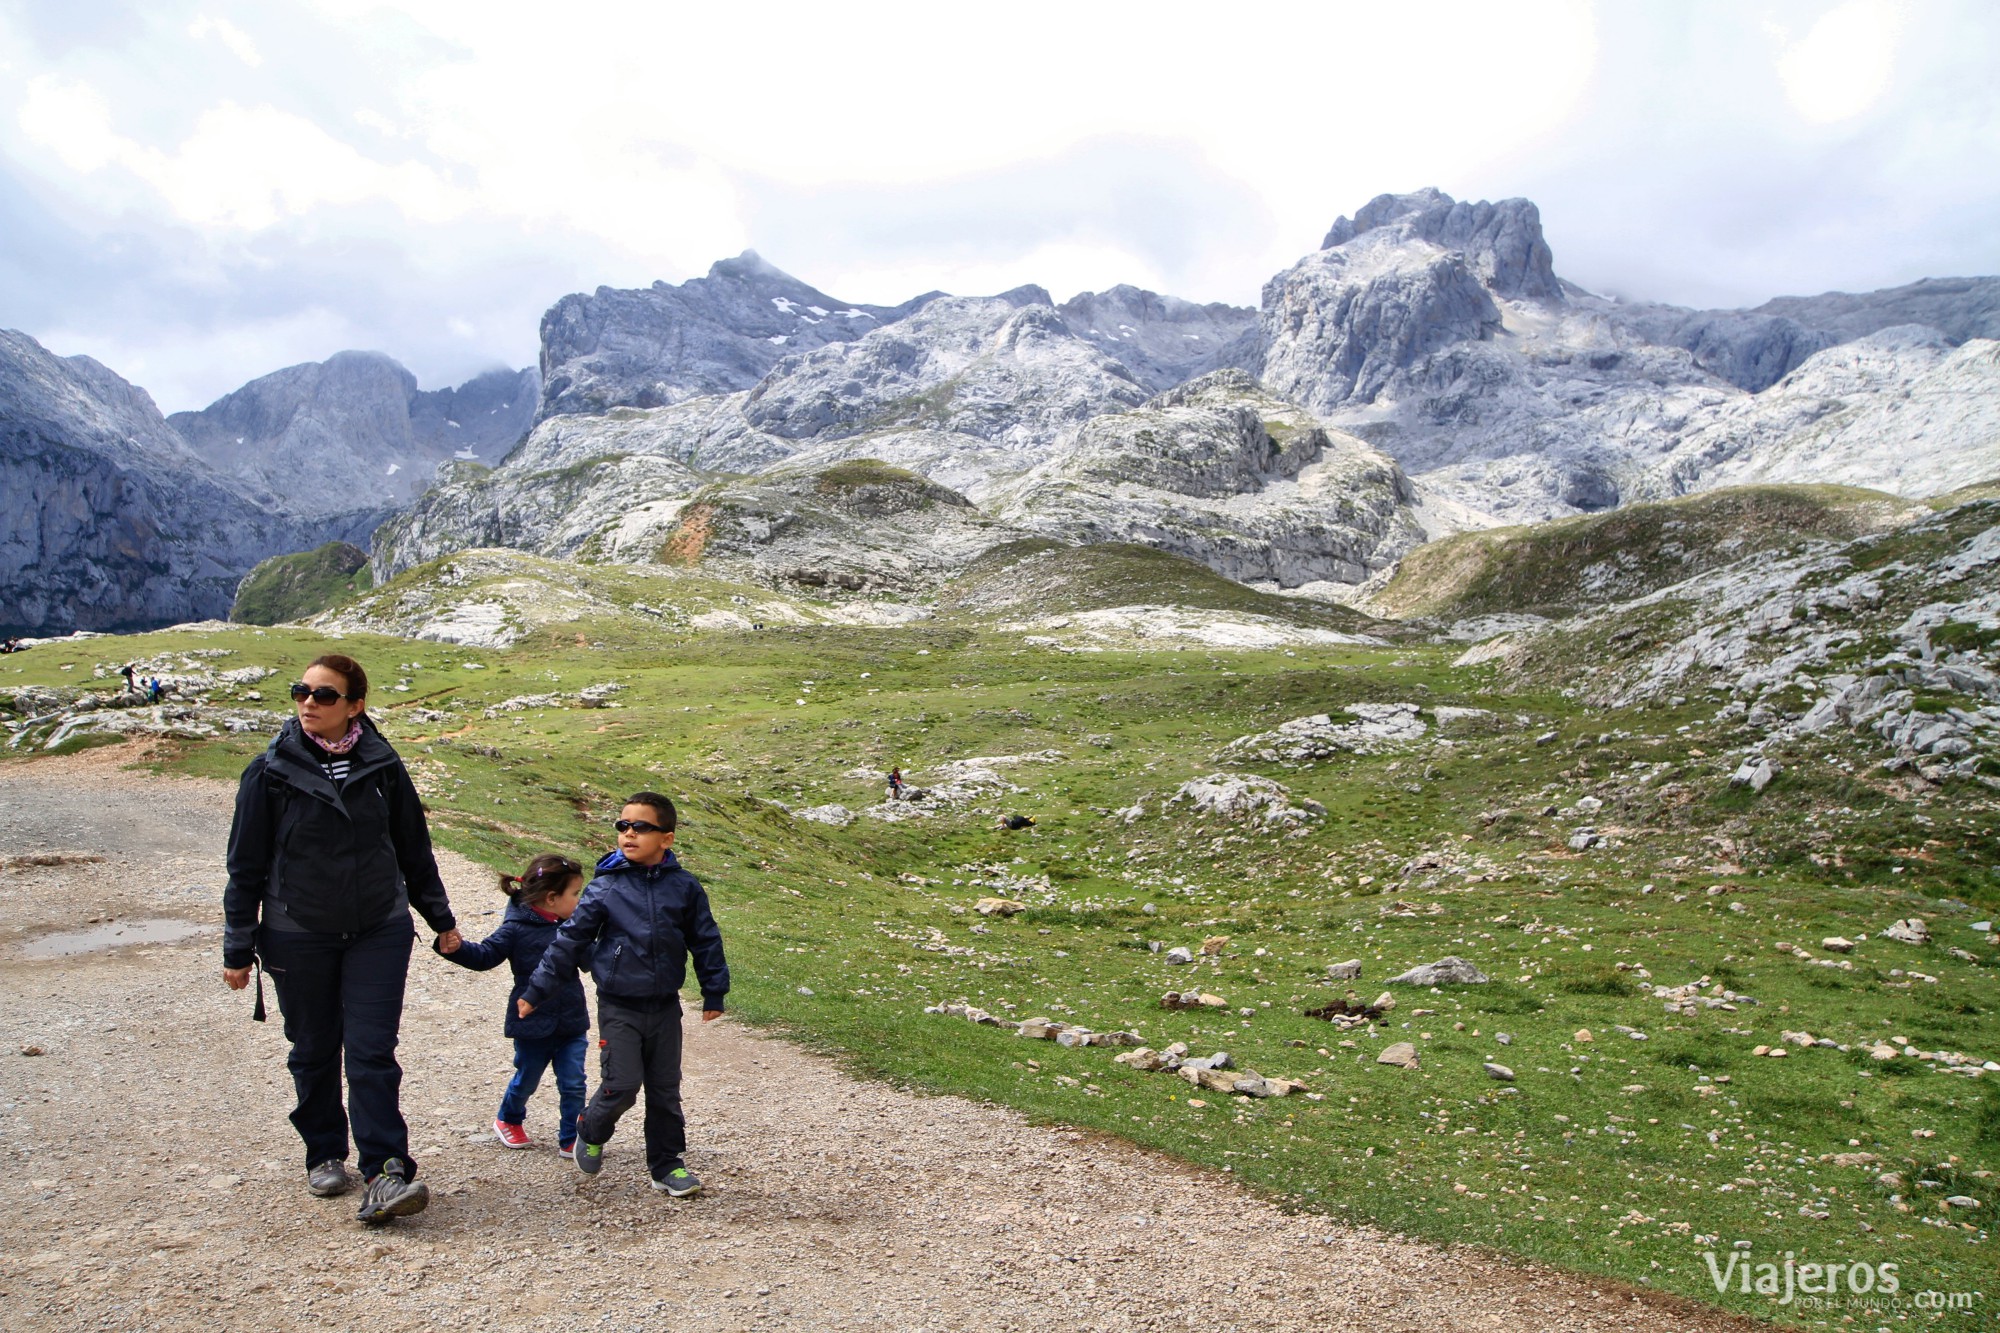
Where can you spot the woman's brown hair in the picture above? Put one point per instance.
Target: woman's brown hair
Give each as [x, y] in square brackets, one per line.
[347, 669]
[544, 878]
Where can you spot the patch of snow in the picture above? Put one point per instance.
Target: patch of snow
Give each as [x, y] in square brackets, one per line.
[394, 468]
[817, 311]
[783, 303]
[467, 454]
[778, 338]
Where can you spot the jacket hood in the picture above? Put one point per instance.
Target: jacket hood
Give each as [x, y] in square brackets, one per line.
[615, 860]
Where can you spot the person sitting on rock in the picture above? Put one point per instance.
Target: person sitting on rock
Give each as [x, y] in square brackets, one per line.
[896, 784]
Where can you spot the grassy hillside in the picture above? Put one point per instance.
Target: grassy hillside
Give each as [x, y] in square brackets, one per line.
[1554, 569]
[292, 587]
[1041, 577]
[1629, 1152]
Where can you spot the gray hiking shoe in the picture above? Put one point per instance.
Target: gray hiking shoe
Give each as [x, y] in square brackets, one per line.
[393, 1194]
[329, 1178]
[679, 1183]
[589, 1156]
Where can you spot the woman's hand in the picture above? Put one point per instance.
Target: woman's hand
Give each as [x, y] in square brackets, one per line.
[236, 977]
[449, 941]
[523, 1008]
[710, 1015]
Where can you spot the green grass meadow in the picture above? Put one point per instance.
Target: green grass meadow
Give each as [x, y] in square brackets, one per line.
[1628, 1155]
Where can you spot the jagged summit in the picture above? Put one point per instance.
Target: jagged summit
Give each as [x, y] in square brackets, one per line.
[1501, 241]
[663, 344]
[354, 435]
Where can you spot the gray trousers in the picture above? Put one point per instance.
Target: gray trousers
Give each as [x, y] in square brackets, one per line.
[639, 1048]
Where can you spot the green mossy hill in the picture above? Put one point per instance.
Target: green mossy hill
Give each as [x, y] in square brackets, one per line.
[292, 587]
[1557, 568]
[1979, 490]
[869, 485]
[1044, 577]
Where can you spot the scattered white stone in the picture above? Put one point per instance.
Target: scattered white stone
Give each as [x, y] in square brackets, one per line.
[1447, 971]
[1403, 1054]
[1910, 931]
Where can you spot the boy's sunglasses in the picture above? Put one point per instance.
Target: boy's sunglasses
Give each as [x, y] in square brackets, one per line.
[324, 694]
[636, 826]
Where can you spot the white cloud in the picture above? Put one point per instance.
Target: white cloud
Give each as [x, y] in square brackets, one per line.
[193, 170]
[240, 167]
[1843, 64]
[231, 36]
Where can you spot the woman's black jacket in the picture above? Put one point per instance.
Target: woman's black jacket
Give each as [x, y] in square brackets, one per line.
[340, 860]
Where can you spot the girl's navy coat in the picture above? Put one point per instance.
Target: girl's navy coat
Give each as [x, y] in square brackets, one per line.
[524, 936]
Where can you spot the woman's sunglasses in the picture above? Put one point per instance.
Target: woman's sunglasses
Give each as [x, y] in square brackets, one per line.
[635, 826]
[323, 695]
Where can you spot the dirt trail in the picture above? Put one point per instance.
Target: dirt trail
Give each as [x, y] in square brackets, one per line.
[151, 1179]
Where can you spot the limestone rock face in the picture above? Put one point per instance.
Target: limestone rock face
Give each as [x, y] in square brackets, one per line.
[111, 522]
[627, 502]
[1162, 340]
[1340, 325]
[854, 527]
[717, 334]
[1900, 410]
[979, 366]
[1502, 241]
[352, 434]
[1226, 474]
[1754, 349]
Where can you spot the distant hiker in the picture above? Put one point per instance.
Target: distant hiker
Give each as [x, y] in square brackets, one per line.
[153, 690]
[896, 784]
[130, 686]
[1017, 821]
[327, 855]
[647, 916]
[544, 897]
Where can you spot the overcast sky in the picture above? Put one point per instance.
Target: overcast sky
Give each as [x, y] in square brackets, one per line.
[198, 192]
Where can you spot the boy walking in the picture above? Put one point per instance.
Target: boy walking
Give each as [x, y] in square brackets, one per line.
[647, 916]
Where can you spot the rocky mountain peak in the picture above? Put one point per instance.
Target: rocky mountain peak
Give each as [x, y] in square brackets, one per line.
[1028, 293]
[353, 434]
[1502, 242]
[664, 344]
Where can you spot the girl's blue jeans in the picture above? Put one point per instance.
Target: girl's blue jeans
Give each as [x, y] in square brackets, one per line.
[531, 1058]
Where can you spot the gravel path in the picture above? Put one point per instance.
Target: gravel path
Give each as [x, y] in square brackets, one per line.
[152, 1181]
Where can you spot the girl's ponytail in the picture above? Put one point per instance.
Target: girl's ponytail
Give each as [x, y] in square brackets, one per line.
[543, 879]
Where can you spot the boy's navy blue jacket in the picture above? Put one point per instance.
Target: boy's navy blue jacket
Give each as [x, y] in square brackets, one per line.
[524, 936]
[645, 921]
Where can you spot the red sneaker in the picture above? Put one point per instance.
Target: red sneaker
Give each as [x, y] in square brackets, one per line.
[567, 1151]
[510, 1136]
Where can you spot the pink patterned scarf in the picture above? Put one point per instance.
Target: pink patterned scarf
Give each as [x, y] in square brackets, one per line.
[344, 744]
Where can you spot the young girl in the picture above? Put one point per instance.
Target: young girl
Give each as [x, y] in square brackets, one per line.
[557, 1032]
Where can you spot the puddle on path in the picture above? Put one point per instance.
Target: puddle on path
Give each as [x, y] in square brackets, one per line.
[112, 935]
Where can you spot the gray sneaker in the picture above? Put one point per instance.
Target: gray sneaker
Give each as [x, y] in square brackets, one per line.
[329, 1178]
[393, 1194]
[589, 1156]
[679, 1183]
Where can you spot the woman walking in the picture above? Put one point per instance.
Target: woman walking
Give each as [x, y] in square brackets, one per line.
[327, 854]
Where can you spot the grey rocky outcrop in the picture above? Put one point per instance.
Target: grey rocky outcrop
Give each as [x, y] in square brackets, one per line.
[1342, 324]
[1502, 241]
[717, 334]
[856, 527]
[111, 522]
[353, 434]
[1226, 474]
[1163, 340]
[987, 367]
